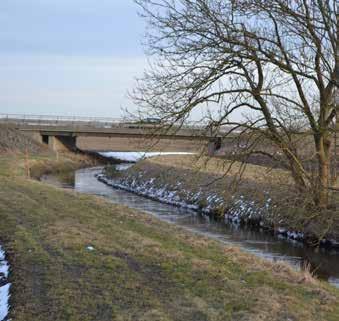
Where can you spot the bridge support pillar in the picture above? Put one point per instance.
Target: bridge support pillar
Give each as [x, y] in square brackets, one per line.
[62, 143]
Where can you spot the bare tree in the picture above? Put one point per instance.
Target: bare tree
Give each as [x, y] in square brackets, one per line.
[272, 61]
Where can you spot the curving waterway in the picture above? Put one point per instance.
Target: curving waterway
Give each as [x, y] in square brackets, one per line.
[324, 263]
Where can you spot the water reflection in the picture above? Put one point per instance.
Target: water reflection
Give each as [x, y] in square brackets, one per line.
[259, 242]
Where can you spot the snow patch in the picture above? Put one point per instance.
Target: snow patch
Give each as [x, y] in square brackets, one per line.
[136, 156]
[123, 167]
[4, 290]
[4, 297]
[239, 209]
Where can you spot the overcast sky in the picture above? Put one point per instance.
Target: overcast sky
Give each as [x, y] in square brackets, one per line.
[69, 57]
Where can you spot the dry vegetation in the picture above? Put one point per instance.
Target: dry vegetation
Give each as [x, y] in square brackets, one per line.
[230, 180]
[218, 166]
[12, 141]
[68, 162]
[139, 268]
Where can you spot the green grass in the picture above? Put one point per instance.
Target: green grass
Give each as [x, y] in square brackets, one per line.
[141, 268]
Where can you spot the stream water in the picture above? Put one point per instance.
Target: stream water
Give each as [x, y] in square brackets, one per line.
[324, 263]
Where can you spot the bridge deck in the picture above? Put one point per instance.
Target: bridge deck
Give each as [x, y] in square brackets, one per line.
[82, 126]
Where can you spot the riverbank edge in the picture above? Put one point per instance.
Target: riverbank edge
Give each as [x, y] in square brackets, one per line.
[278, 271]
[240, 211]
[66, 163]
[34, 168]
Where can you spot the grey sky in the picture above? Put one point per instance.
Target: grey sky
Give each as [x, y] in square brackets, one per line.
[69, 57]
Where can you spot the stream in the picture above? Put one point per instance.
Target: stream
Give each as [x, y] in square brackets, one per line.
[324, 263]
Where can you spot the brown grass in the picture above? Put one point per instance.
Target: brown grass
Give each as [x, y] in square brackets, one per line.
[140, 269]
[218, 166]
[289, 208]
[13, 141]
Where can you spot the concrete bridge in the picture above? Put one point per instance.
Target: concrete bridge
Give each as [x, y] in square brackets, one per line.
[62, 133]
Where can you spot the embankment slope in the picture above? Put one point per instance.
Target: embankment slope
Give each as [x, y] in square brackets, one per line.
[258, 195]
[13, 141]
[77, 257]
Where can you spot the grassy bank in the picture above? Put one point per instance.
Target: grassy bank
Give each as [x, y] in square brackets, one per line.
[15, 142]
[36, 165]
[77, 257]
[61, 166]
[20, 155]
[261, 196]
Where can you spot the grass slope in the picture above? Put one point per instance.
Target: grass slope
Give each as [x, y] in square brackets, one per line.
[140, 268]
[11, 140]
[207, 177]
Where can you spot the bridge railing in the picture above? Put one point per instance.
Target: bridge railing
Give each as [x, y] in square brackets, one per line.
[50, 120]
[77, 122]
[25, 118]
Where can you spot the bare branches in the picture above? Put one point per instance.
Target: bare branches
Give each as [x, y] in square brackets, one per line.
[271, 60]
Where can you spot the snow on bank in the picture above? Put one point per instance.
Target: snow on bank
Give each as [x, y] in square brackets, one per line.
[136, 156]
[4, 289]
[239, 209]
[123, 166]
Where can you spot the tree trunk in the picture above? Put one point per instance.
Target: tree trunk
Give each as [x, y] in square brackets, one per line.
[322, 188]
[298, 176]
[323, 146]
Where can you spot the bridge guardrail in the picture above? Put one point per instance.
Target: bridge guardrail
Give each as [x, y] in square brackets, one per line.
[77, 122]
[49, 120]
[25, 117]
